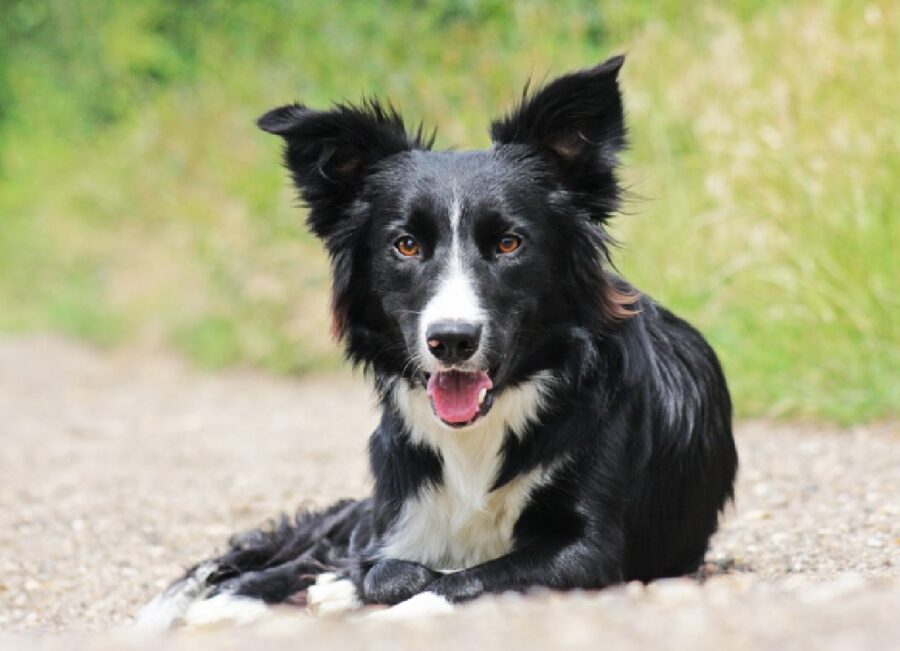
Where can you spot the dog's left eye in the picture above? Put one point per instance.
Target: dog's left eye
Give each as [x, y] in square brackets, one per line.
[407, 246]
[508, 243]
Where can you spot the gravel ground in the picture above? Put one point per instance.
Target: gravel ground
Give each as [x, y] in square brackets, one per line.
[117, 470]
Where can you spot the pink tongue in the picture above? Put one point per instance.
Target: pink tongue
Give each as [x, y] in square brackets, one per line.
[455, 394]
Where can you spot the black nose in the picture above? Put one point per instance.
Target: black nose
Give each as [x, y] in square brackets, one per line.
[453, 341]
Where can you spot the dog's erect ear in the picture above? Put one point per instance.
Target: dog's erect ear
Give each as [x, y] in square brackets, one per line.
[329, 152]
[576, 120]
[576, 124]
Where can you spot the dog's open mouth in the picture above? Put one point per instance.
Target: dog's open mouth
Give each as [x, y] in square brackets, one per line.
[460, 398]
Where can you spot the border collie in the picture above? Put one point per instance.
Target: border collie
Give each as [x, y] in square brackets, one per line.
[542, 422]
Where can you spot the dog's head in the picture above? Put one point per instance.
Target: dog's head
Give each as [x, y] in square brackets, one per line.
[466, 271]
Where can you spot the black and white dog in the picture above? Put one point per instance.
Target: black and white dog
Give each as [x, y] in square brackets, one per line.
[543, 423]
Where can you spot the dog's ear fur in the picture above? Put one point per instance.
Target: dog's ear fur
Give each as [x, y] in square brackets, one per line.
[329, 153]
[576, 125]
[576, 121]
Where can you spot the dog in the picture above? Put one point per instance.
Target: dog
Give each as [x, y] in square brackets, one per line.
[543, 423]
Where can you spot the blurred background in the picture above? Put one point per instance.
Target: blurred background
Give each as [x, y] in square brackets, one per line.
[139, 205]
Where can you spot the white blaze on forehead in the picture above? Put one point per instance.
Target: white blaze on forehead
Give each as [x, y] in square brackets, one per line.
[455, 298]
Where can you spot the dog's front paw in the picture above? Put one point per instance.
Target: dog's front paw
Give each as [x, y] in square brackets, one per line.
[169, 608]
[391, 581]
[424, 604]
[225, 610]
[332, 595]
[457, 587]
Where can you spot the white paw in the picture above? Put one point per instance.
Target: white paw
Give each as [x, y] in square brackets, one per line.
[331, 596]
[161, 614]
[169, 608]
[225, 610]
[424, 604]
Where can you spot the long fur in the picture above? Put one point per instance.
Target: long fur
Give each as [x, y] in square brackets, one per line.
[603, 451]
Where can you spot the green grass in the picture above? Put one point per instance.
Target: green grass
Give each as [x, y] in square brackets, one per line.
[139, 203]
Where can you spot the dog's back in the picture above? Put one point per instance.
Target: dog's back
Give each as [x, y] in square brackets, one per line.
[683, 451]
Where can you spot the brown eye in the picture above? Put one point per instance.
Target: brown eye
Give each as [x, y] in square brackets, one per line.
[508, 243]
[407, 246]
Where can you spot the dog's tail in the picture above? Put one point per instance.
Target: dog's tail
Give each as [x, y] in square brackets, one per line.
[273, 564]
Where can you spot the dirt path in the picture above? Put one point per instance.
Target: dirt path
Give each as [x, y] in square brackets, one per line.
[116, 471]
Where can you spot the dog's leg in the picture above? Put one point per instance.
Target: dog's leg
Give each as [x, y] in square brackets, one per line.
[391, 581]
[273, 585]
[201, 598]
[581, 563]
[331, 595]
[262, 566]
[225, 610]
[424, 604]
[388, 582]
[170, 607]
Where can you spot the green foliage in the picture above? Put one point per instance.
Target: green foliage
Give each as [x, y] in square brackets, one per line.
[138, 202]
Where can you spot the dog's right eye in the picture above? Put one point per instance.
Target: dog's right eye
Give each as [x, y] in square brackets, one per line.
[407, 246]
[509, 243]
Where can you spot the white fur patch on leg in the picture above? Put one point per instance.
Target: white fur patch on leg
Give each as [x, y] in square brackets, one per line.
[424, 604]
[169, 608]
[332, 596]
[225, 610]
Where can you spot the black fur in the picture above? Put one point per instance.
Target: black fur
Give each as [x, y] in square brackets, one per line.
[639, 419]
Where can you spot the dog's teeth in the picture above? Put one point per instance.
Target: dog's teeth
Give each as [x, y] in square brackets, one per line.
[482, 395]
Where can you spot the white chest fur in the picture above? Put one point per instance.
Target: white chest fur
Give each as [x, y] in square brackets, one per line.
[461, 522]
